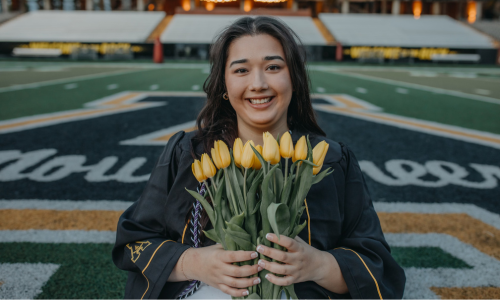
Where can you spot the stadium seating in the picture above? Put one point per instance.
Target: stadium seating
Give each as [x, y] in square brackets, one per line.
[489, 27]
[403, 31]
[81, 26]
[201, 29]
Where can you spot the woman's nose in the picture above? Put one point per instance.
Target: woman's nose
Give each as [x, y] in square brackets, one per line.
[258, 82]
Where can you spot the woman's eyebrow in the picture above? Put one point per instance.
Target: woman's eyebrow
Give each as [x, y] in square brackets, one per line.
[239, 61]
[273, 57]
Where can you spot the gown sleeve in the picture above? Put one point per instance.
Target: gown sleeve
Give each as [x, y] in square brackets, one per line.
[363, 255]
[143, 245]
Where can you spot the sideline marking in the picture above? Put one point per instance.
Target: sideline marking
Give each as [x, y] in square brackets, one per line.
[353, 107]
[58, 236]
[160, 137]
[415, 86]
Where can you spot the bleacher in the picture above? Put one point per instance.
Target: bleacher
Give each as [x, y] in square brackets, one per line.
[403, 31]
[491, 28]
[81, 26]
[201, 29]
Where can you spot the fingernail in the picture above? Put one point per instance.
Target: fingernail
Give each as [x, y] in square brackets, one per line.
[245, 293]
[256, 281]
[254, 255]
[269, 237]
[267, 276]
[262, 263]
[259, 268]
[260, 249]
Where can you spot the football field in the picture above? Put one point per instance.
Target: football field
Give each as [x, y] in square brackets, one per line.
[78, 140]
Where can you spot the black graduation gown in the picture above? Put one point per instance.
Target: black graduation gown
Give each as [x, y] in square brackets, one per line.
[343, 223]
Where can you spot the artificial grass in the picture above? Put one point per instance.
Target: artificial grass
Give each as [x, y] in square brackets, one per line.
[87, 271]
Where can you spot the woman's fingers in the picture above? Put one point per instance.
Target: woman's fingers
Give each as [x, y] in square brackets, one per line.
[237, 256]
[284, 241]
[276, 267]
[241, 283]
[281, 281]
[232, 291]
[276, 254]
[241, 271]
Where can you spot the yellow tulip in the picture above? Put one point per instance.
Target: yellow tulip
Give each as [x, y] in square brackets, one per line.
[256, 162]
[247, 159]
[300, 149]
[222, 155]
[271, 149]
[286, 145]
[198, 171]
[319, 153]
[208, 167]
[237, 151]
[216, 159]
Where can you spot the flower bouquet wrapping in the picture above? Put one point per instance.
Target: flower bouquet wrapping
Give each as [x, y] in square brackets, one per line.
[250, 196]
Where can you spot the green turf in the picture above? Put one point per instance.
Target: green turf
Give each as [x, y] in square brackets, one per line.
[426, 257]
[420, 104]
[87, 271]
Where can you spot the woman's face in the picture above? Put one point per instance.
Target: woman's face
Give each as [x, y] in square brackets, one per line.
[258, 82]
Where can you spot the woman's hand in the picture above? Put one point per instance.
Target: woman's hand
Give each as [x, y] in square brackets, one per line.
[302, 263]
[213, 266]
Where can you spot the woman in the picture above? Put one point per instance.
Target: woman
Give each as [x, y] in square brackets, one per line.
[257, 83]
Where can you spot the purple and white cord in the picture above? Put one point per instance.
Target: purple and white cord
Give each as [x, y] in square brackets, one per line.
[195, 232]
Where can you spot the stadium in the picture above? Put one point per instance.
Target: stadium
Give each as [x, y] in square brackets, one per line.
[91, 92]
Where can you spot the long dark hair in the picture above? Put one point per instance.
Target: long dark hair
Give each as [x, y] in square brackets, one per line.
[217, 120]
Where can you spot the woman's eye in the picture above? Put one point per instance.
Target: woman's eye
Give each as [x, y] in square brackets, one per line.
[240, 71]
[273, 67]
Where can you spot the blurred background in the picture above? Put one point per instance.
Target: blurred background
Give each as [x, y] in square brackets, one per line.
[92, 90]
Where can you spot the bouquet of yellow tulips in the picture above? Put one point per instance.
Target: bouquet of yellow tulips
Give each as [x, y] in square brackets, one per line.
[251, 196]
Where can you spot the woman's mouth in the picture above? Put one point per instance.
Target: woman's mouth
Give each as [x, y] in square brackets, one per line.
[260, 102]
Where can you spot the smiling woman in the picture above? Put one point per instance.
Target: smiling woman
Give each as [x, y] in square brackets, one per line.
[258, 84]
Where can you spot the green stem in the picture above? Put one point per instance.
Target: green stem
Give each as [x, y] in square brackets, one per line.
[213, 183]
[208, 189]
[286, 169]
[245, 186]
[236, 210]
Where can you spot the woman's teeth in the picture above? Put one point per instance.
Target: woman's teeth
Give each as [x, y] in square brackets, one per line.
[260, 101]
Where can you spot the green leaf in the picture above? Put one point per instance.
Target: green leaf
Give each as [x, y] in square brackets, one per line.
[291, 291]
[251, 173]
[229, 196]
[285, 194]
[208, 208]
[267, 198]
[236, 180]
[238, 219]
[211, 234]
[231, 245]
[266, 285]
[253, 206]
[277, 292]
[321, 175]
[279, 183]
[219, 222]
[242, 239]
[279, 218]
[298, 229]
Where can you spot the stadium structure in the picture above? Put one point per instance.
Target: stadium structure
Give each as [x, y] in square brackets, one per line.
[367, 31]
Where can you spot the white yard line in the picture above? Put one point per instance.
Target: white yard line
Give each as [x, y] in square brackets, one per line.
[57, 236]
[116, 205]
[417, 86]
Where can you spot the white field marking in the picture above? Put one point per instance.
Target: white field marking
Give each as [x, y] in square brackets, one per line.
[155, 138]
[440, 208]
[154, 87]
[361, 90]
[70, 86]
[205, 71]
[482, 92]
[419, 87]
[57, 236]
[98, 108]
[109, 205]
[462, 74]
[24, 280]
[65, 80]
[402, 122]
[195, 87]
[53, 68]
[401, 91]
[320, 89]
[485, 269]
[113, 86]
[13, 69]
[423, 74]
